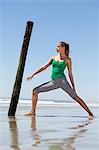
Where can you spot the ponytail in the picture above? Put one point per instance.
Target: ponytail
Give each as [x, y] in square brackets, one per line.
[66, 45]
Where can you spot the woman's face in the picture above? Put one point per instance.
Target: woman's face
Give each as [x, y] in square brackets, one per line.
[59, 48]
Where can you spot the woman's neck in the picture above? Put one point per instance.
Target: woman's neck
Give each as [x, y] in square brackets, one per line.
[62, 56]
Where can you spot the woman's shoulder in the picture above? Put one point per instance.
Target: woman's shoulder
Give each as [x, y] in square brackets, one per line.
[68, 60]
[54, 56]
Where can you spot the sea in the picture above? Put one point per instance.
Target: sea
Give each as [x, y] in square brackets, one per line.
[26, 101]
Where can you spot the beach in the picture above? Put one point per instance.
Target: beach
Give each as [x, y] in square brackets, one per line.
[54, 128]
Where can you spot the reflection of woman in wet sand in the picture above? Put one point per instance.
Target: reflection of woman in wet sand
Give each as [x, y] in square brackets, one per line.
[14, 133]
[69, 142]
[34, 133]
[58, 79]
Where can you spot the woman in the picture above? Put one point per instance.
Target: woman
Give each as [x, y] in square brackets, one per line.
[58, 79]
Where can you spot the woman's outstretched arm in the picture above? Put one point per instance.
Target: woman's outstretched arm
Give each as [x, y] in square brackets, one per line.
[41, 69]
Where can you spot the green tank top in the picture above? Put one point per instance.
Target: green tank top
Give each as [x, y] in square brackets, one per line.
[58, 69]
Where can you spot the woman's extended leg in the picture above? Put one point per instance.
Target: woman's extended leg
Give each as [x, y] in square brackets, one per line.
[66, 87]
[82, 103]
[34, 102]
[42, 88]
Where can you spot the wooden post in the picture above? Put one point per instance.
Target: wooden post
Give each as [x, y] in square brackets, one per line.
[20, 70]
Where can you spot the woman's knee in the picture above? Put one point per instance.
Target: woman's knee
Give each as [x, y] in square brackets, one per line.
[75, 96]
[35, 91]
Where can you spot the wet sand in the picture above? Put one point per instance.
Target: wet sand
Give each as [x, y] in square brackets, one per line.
[54, 128]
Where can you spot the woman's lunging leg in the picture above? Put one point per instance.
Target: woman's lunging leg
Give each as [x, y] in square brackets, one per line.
[48, 86]
[82, 103]
[34, 102]
[67, 88]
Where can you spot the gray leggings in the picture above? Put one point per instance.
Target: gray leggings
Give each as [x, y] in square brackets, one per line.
[55, 84]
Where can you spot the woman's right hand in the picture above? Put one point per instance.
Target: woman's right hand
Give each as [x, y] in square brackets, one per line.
[29, 77]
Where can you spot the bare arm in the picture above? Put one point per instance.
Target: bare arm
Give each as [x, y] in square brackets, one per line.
[69, 66]
[41, 69]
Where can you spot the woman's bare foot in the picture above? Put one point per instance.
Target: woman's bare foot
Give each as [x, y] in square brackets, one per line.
[91, 116]
[30, 114]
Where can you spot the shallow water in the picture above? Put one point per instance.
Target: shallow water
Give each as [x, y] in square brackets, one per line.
[54, 128]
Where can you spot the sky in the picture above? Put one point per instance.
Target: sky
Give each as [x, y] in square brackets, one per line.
[73, 21]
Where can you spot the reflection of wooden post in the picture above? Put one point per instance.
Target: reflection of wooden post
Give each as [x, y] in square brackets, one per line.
[14, 133]
[19, 75]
